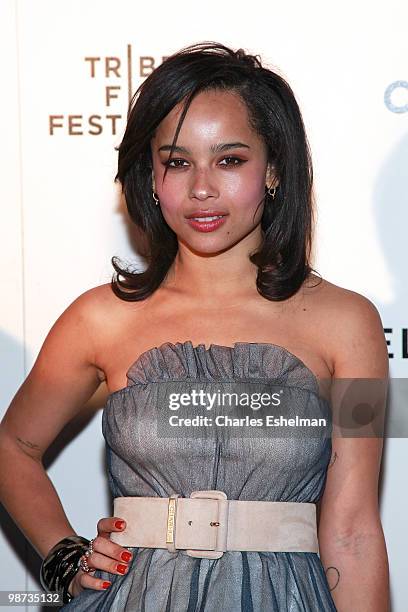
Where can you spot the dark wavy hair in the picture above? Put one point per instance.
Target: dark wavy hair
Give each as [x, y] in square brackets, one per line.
[283, 256]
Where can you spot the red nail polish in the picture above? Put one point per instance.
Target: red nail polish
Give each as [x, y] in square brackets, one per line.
[105, 584]
[119, 524]
[121, 568]
[126, 556]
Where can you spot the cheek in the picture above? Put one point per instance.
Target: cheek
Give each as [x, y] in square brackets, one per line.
[170, 192]
[245, 189]
[170, 196]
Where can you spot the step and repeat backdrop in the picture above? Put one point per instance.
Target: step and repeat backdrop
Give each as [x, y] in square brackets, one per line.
[68, 72]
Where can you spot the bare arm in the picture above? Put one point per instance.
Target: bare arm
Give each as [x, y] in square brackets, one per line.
[61, 381]
[351, 539]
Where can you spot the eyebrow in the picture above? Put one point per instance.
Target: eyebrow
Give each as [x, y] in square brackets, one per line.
[218, 148]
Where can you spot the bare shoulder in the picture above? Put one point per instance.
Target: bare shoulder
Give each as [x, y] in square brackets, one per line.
[339, 299]
[100, 298]
[101, 311]
[63, 378]
[353, 329]
[81, 326]
[97, 306]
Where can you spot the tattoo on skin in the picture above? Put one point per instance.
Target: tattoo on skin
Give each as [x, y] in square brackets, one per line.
[332, 573]
[333, 459]
[29, 444]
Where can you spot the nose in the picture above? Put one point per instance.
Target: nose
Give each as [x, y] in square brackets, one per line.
[203, 186]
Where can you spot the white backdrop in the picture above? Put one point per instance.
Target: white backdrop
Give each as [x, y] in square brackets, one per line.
[67, 71]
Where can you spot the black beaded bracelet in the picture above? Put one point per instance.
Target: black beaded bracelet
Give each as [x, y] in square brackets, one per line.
[61, 564]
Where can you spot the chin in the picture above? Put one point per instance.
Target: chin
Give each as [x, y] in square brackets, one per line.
[208, 246]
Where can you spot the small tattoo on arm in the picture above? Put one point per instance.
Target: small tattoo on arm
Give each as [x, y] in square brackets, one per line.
[29, 444]
[333, 459]
[332, 573]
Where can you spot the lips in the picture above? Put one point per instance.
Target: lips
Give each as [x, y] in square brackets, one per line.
[197, 214]
[209, 223]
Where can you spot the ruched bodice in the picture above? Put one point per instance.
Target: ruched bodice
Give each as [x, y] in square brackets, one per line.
[146, 459]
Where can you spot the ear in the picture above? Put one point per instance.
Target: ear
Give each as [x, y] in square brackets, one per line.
[153, 183]
[271, 179]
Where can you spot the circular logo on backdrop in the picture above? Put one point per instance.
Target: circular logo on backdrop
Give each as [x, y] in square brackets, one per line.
[400, 87]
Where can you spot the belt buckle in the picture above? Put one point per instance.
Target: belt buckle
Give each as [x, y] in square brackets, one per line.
[220, 524]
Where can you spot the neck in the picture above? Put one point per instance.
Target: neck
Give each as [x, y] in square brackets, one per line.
[226, 275]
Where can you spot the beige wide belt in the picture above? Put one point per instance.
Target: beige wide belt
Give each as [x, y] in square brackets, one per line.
[207, 524]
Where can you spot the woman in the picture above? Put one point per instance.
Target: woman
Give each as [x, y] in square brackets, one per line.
[216, 171]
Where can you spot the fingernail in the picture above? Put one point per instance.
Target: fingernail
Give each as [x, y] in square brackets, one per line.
[105, 585]
[121, 568]
[119, 524]
[126, 556]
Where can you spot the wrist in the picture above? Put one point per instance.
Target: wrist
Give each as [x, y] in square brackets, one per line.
[61, 565]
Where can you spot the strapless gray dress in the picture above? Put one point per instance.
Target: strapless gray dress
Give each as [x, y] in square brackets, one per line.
[143, 463]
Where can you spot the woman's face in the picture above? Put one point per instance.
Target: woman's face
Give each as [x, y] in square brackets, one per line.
[219, 168]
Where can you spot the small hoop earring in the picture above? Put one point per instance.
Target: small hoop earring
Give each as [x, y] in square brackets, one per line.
[155, 198]
[272, 193]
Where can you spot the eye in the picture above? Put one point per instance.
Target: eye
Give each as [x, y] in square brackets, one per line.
[236, 161]
[176, 161]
